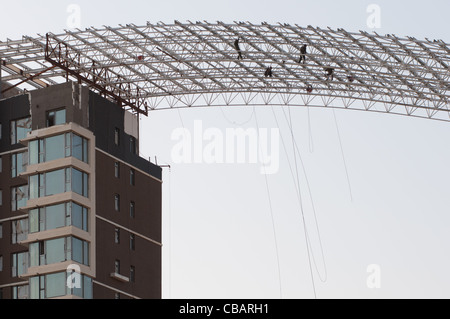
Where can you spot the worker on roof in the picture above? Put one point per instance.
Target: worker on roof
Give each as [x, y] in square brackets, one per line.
[329, 73]
[303, 54]
[238, 49]
[268, 72]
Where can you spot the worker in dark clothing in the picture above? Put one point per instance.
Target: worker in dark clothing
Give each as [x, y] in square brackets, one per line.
[302, 54]
[238, 49]
[329, 73]
[268, 72]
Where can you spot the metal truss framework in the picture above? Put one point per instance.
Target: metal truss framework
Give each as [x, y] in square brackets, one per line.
[160, 66]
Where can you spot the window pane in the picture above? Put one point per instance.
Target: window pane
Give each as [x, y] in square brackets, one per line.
[77, 147]
[22, 263]
[55, 216]
[41, 151]
[87, 287]
[85, 219]
[77, 181]
[55, 251]
[77, 250]
[77, 218]
[54, 182]
[34, 186]
[34, 254]
[22, 162]
[55, 285]
[60, 117]
[23, 126]
[21, 196]
[68, 146]
[85, 150]
[54, 148]
[34, 220]
[85, 185]
[13, 165]
[13, 132]
[34, 288]
[33, 151]
[86, 253]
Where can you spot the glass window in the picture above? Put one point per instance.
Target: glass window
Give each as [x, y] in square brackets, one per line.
[19, 197]
[132, 177]
[19, 264]
[85, 151]
[132, 145]
[57, 117]
[34, 287]
[87, 287]
[55, 285]
[54, 182]
[117, 136]
[77, 216]
[34, 254]
[77, 250]
[1, 230]
[1, 263]
[132, 274]
[77, 147]
[132, 241]
[57, 147]
[57, 182]
[20, 292]
[19, 162]
[132, 209]
[19, 230]
[1, 197]
[54, 148]
[117, 202]
[55, 251]
[117, 236]
[117, 266]
[20, 129]
[55, 216]
[80, 182]
[33, 151]
[117, 169]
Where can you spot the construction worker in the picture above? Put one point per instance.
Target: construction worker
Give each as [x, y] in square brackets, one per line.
[268, 72]
[329, 73]
[303, 54]
[238, 49]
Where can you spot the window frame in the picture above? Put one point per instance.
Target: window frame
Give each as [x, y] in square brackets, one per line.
[55, 111]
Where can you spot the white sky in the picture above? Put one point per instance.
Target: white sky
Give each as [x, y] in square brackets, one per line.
[218, 239]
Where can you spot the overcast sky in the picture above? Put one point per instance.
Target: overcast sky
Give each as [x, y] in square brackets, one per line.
[392, 211]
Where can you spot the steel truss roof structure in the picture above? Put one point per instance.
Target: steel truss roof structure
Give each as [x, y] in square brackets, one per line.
[160, 66]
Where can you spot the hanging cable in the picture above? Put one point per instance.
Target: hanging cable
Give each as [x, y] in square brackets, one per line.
[301, 209]
[310, 138]
[271, 213]
[181, 119]
[325, 278]
[234, 122]
[343, 156]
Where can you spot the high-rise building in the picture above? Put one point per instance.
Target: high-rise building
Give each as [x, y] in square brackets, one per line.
[80, 210]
